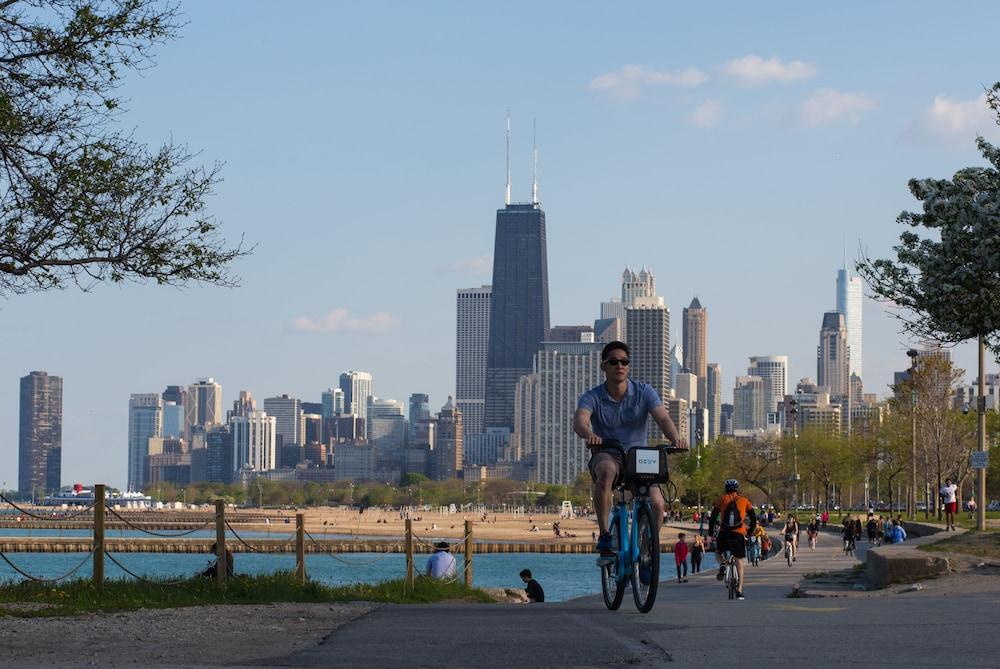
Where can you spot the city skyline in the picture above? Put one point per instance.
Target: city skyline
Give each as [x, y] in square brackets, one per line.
[778, 142]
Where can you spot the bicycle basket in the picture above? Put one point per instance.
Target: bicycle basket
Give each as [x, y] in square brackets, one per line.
[646, 466]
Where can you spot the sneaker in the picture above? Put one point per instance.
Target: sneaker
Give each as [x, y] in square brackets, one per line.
[604, 545]
[739, 595]
[721, 574]
[684, 580]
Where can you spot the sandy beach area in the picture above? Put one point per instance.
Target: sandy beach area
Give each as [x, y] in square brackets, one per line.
[435, 524]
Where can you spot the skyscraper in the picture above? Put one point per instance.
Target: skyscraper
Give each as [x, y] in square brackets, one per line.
[420, 409]
[648, 327]
[850, 299]
[145, 416]
[713, 389]
[332, 400]
[833, 363]
[519, 311]
[564, 372]
[357, 387]
[472, 336]
[254, 438]
[748, 404]
[773, 369]
[203, 407]
[695, 337]
[287, 414]
[40, 434]
[448, 447]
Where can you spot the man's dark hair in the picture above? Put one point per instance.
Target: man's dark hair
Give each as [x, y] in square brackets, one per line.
[614, 346]
[525, 573]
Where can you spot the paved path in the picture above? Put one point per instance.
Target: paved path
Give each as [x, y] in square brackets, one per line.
[692, 623]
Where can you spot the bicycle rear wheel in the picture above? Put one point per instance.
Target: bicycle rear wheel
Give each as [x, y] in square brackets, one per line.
[646, 570]
[732, 578]
[612, 589]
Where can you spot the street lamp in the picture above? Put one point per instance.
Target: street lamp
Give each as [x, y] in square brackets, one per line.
[912, 503]
[795, 451]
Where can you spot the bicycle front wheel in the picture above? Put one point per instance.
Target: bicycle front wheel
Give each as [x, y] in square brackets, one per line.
[613, 589]
[646, 570]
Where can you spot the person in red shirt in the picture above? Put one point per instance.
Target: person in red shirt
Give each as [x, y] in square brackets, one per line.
[680, 557]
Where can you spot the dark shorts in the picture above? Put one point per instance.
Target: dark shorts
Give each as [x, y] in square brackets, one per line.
[734, 542]
[612, 455]
[951, 507]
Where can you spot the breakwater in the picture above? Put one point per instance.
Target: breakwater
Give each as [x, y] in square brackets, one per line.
[167, 545]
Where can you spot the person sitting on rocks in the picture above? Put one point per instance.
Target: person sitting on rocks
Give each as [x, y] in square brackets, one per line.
[213, 569]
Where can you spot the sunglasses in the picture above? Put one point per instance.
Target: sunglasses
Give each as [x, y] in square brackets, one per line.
[622, 362]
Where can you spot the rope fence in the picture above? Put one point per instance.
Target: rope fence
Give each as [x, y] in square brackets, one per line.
[224, 528]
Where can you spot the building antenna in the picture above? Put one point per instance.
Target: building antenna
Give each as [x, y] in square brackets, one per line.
[506, 199]
[534, 161]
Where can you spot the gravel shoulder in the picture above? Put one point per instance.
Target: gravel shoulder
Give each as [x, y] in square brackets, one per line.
[194, 636]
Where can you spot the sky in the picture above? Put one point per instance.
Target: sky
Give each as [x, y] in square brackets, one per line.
[740, 153]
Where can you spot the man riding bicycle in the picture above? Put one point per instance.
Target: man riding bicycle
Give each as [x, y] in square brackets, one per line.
[617, 410]
[730, 512]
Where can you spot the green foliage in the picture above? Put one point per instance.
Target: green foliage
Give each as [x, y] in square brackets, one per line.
[75, 597]
[412, 478]
[81, 202]
[948, 282]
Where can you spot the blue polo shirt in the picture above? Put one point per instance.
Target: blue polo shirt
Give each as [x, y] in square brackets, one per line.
[623, 421]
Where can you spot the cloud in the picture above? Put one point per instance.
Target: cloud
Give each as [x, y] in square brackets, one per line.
[474, 265]
[827, 106]
[628, 82]
[707, 114]
[339, 320]
[755, 71]
[949, 119]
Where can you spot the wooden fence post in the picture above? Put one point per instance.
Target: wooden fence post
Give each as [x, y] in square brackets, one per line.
[99, 509]
[468, 553]
[300, 547]
[409, 553]
[222, 564]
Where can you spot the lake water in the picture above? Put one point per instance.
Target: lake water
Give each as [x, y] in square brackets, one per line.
[562, 576]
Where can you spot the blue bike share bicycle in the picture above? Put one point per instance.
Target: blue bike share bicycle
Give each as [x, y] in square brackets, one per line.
[633, 528]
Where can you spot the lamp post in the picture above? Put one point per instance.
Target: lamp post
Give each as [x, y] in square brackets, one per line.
[912, 502]
[981, 437]
[701, 513]
[795, 452]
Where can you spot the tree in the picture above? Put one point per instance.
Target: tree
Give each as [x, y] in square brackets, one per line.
[759, 464]
[81, 202]
[825, 456]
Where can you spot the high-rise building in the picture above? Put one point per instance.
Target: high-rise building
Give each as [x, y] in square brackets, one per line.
[695, 338]
[648, 330]
[564, 372]
[379, 408]
[726, 420]
[607, 330]
[446, 458]
[519, 311]
[571, 333]
[638, 285]
[472, 338]
[287, 414]
[332, 400]
[254, 439]
[145, 417]
[686, 387]
[420, 408]
[713, 390]
[203, 406]
[175, 394]
[832, 356]
[40, 434]
[242, 406]
[525, 438]
[357, 387]
[773, 369]
[676, 361]
[850, 301]
[680, 413]
[748, 404]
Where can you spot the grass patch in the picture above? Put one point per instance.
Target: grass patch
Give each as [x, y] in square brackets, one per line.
[981, 544]
[30, 599]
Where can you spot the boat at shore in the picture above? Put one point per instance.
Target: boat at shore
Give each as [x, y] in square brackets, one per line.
[78, 496]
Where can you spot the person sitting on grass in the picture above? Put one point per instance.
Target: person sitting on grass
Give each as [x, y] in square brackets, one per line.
[441, 565]
[213, 569]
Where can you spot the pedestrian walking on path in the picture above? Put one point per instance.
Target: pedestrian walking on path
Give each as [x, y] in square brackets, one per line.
[697, 551]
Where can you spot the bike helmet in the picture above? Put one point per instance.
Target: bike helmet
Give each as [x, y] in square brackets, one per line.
[732, 485]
